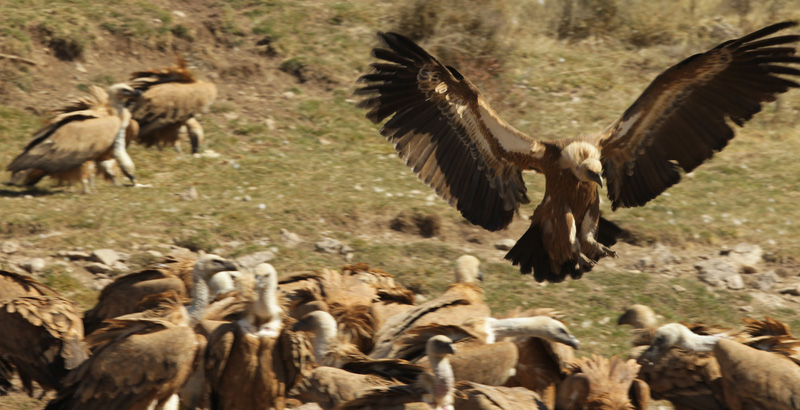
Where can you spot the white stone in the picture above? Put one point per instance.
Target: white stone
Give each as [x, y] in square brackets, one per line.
[105, 256]
[34, 265]
[9, 246]
[252, 260]
[505, 244]
[720, 272]
[290, 239]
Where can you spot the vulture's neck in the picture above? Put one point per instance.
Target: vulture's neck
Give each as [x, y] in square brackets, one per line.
[497, 329]
[698, 343]
[199, 299]
[325, 336]
[443, 381]
[266, 314]
[120, 152]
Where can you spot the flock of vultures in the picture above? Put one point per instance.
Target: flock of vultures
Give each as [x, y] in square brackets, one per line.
[203, 334]
[199, 334]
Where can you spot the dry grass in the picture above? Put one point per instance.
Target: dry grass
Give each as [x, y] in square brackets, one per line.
[324, 171]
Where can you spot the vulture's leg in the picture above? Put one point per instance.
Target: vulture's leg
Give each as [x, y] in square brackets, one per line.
[195, 134]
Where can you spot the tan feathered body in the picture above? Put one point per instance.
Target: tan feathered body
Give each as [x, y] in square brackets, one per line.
[171, 98]
[475, 396]
[603, 384]
[84, 130]
[452, 139]
[138, 361]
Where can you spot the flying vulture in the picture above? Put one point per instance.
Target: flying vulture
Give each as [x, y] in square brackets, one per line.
[454, 141]
[171, 99]
[88, 129]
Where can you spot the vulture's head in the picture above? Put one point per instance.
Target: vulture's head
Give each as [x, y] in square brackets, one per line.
[676, 334]
[439, 346]
[554, 331]
[583, 159]
[638, 316]
[468, 269]
[123, 93]
[222, 282]
[207, 265]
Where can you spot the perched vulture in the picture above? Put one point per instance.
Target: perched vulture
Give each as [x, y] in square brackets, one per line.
[42, 338]
[461, 301]
[454, 141]
[603, 384]
[253, 363]
[138, 362]
[430, 392]
[87, 130]
[171, 99]
[123, 296]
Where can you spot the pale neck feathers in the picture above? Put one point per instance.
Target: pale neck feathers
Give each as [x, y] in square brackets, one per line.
[467, 269]
[537, 326]
[575, 153]
[687, 339]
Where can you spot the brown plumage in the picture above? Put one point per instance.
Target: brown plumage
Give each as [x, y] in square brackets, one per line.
[543, 364]
[253, 363]
[453, 140]
[475, 396]
[171, 99]
[43, 339]
[138, 361]
[603, 384]
[91, 128]
[431, 390]
[123, 296]
[343, 372]
[14, 285]
[461, 301]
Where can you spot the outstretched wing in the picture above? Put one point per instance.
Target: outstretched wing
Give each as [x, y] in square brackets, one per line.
[681, 118]
[447, 133]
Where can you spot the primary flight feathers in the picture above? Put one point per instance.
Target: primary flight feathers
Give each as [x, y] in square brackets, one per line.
[454, 141]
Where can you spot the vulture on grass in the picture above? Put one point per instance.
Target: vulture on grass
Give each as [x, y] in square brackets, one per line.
[88, 129]
[171, 99]
[453, 140]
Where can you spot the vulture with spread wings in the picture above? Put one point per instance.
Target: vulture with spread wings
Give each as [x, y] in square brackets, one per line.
[455, 142]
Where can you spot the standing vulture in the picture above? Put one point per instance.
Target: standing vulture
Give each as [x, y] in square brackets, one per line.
[252, 363]
[171, 99]
[91, 128]
[454, 141]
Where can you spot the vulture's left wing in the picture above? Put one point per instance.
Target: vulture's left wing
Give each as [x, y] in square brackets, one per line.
[447, 133]
[681, 118]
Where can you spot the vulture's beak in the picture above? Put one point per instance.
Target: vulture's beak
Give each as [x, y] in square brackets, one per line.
[597, 178]
[480, 276]
[574, 342]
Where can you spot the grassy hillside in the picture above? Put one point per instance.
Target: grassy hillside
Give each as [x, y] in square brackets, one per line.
[296, 154]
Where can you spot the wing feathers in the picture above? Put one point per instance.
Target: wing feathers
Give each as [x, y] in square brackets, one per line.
[681, 118]
[437, 129]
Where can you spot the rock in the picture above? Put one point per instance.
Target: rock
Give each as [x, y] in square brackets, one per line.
[768, 300]
[252, 260]
[329, 245]
[349, 257]
[290, 239]
[123, 257]
[33, 265]
[100, 283]
[97, 267]
[120, 267]
[645, 262]
[105, 256]
[505, 244]
[746, 308]
[190, 194]
[678, 288]
[178, 13]
[9, 246]
[154, 254]
[765, 281]
[794, 290]
[746, 254]
[720, 272]
[663, 256]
